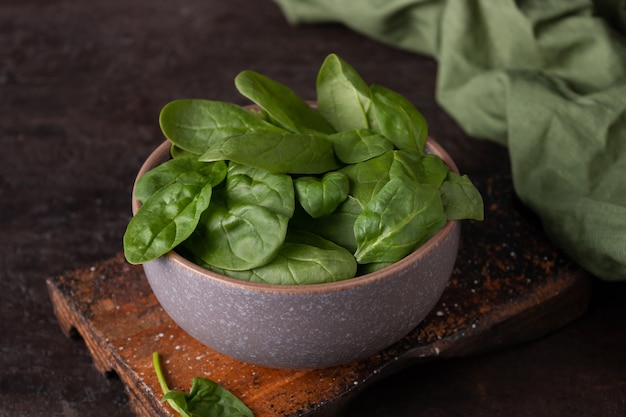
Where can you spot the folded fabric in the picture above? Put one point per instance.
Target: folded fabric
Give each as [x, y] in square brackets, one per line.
[546, 78]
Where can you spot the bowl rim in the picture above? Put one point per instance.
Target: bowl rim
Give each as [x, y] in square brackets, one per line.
[160, 153]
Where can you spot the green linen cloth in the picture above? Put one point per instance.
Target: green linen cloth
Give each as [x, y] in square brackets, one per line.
[546, 78]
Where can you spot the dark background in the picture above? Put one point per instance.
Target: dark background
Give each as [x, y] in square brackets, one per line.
[81, 87]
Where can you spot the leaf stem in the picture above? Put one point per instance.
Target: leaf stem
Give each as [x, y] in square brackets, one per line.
[159, 372]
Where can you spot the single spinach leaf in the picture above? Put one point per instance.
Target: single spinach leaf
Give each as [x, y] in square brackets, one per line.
[461, 199]
[435, 170]
[397, 119]
[279, 153]
[206, 398]
[253, 186]
[343, 98]
[421, 167]
[358, 145]
[247, 221]
[338, 226]
[284, 107]
[368, 177]
[167, 218]
[178, 152]
[320, 197]
[194, 125]
[170, 170]
[401, 217]
[239, 237]
[304, 259]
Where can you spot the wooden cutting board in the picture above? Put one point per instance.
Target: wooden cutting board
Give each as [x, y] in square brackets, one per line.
[509, 285]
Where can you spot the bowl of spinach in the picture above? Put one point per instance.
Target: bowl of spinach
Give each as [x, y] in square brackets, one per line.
[297, 234]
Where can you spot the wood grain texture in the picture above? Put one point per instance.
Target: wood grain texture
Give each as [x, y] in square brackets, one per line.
[509, 285]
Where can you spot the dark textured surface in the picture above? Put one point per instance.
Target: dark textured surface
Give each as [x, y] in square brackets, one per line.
[81, 85]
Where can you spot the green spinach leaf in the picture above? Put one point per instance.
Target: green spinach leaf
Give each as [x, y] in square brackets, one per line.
[337, 226]
[461, 199]
[169, 216]
[254, 186]
[397, 119]
[282, 105]
[242, 229]
[320, 197]
[343, 98]
[358, 145]
[434, 170]
[280, 153]
[206, 398]
[170, 170]
[177, 152]
[194, 125]
[401, 217]
[368, 177]
[304, 259]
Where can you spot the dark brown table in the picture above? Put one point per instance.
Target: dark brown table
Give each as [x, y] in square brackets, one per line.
[81, 86]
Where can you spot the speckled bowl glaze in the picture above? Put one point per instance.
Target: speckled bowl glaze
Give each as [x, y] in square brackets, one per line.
[301, 327]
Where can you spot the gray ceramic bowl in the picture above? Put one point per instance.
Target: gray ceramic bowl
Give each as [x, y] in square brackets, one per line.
[310, 326]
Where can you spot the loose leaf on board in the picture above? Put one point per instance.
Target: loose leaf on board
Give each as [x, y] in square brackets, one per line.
[206, 398]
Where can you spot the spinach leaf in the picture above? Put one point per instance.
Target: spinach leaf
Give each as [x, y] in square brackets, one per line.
[461, 199]
[238, 238]
[280, 153]
[283, 106]
[168, 171]
[401, 217]
[434, 170]
[358, 145]
[253, 186]
[194, 124]
[305, 258]
[343, 98]
[205, 399]
[393, 116]
[178, 152]
[423, 168]
[368, 177]
[247, 221]
[169, 216]
[338, 226]
[320, 197]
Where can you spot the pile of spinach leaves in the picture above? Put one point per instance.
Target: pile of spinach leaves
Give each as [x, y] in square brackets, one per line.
[289, 193]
